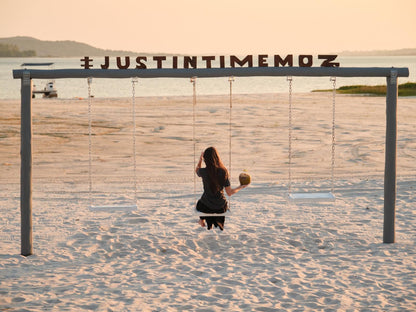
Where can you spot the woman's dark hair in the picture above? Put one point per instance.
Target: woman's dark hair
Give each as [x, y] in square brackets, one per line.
[217, 172]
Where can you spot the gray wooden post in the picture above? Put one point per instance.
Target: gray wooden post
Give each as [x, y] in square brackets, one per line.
[390, 162]
[26, 165]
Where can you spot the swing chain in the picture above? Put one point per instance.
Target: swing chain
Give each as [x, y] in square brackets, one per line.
[231, 80]
[134, 81]
[334, 81]
[193, 81]
[289, 79]
[89, 80]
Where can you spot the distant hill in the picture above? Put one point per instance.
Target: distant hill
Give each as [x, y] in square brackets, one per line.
[399, 52]
[21, 46]
[59, 48]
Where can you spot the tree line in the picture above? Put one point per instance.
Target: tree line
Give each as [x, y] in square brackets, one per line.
[11, 50]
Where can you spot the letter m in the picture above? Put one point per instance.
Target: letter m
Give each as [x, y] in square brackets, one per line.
[248, 59]
[279, 61]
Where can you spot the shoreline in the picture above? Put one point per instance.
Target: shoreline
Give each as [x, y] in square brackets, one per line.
[226, 94]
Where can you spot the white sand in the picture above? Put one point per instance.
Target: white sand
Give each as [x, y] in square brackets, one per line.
[272, 256]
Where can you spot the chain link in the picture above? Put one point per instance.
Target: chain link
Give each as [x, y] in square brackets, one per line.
[334, 81]
[231, 80]
[89, 80]
[134, 81]
[289, 79]
[193, 81]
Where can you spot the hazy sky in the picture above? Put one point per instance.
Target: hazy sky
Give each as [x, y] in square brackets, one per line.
[216, 26]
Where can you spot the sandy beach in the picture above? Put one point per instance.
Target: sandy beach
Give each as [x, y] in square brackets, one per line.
[272, 256]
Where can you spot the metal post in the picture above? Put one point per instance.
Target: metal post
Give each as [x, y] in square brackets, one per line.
[390, 163]
[26, 166]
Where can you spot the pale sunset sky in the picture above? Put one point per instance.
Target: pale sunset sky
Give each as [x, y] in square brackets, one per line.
[216, 26]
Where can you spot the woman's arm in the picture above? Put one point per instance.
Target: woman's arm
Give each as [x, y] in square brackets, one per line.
[198, 166]
[231, 191]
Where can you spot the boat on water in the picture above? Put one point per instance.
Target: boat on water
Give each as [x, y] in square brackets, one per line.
[49, 90]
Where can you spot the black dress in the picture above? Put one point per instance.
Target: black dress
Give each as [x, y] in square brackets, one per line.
[212, 202]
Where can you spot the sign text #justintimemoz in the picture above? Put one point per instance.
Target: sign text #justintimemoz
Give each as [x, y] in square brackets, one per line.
[262, 60]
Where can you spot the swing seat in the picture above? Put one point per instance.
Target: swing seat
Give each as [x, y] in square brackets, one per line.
[113, 208]
[203, 214]
[304, 197]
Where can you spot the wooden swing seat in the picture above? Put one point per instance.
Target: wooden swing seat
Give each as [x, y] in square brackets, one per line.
[305, 197]
[203, 214]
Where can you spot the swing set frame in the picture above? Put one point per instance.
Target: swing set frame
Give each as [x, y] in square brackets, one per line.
[26, 76]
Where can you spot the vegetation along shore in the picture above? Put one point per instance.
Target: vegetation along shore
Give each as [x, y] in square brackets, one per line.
[405, 89]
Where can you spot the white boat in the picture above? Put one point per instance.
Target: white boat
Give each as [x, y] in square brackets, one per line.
[49, 90]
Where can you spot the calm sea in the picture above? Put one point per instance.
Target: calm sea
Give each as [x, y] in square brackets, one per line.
[71, 88]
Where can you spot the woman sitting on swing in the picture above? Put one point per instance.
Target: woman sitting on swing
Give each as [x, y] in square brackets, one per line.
[215, 178]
